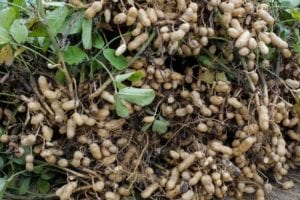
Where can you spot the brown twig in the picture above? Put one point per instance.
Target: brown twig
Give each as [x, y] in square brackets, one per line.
[100, 89]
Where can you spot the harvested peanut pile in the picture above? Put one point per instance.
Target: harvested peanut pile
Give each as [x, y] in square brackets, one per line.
[227, 115]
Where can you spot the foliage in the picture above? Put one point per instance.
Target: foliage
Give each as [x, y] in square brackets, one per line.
[119, 62]
[64, 37]
[16, 180]
[74, 55]
[160, 126]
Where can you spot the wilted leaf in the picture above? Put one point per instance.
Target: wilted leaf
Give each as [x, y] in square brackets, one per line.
[43, 186]
[160, 126]
[6, 55]
[56, 18]
[7, 16]
[74, 55]
[24, 185]
[4, 36]
[19, 31]
[221, 76]
[141, 97]
[73, 23]
[87, 33]
[208, 76]
[119, 62]
[297, 105]
[98, 41]
[122, 111]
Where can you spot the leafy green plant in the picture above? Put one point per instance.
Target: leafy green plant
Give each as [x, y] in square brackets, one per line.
[15, 180]
[159, 125]
[118, 62]
[138, 96]
[13, 172]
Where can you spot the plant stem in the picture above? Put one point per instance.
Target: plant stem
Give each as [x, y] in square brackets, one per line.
[35, 197]
[100, 89]
[109, 73]
[56, 47]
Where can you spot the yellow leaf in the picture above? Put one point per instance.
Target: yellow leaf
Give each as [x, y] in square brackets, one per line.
[6, 55]
[19, 51]
[221, 76]
[297, 106]
[207, 76]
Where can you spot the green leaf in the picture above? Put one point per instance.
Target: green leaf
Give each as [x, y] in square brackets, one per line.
[7, 16]
[137, 76]
[38, 31]
[73, 24]
[87, 33]
[19, 31]
[290, 3]
[160, 126]
[119, 62]
[55, 19]
[24, 185]
[3, 185]
[98, 41]
[296, 14]
[272, 53]
[38, 169]
[93, 68]
[21, 3]
[297, 47]
[131, 76]
[1, 162]
[47, 174]
[18, 4]
[3, 4]
[141, 97]
[120, 78]
[21, 160]
[60, 76]
[43, 186]
[74, 55]
[205, 60]
[122, 111]
[4, 36]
